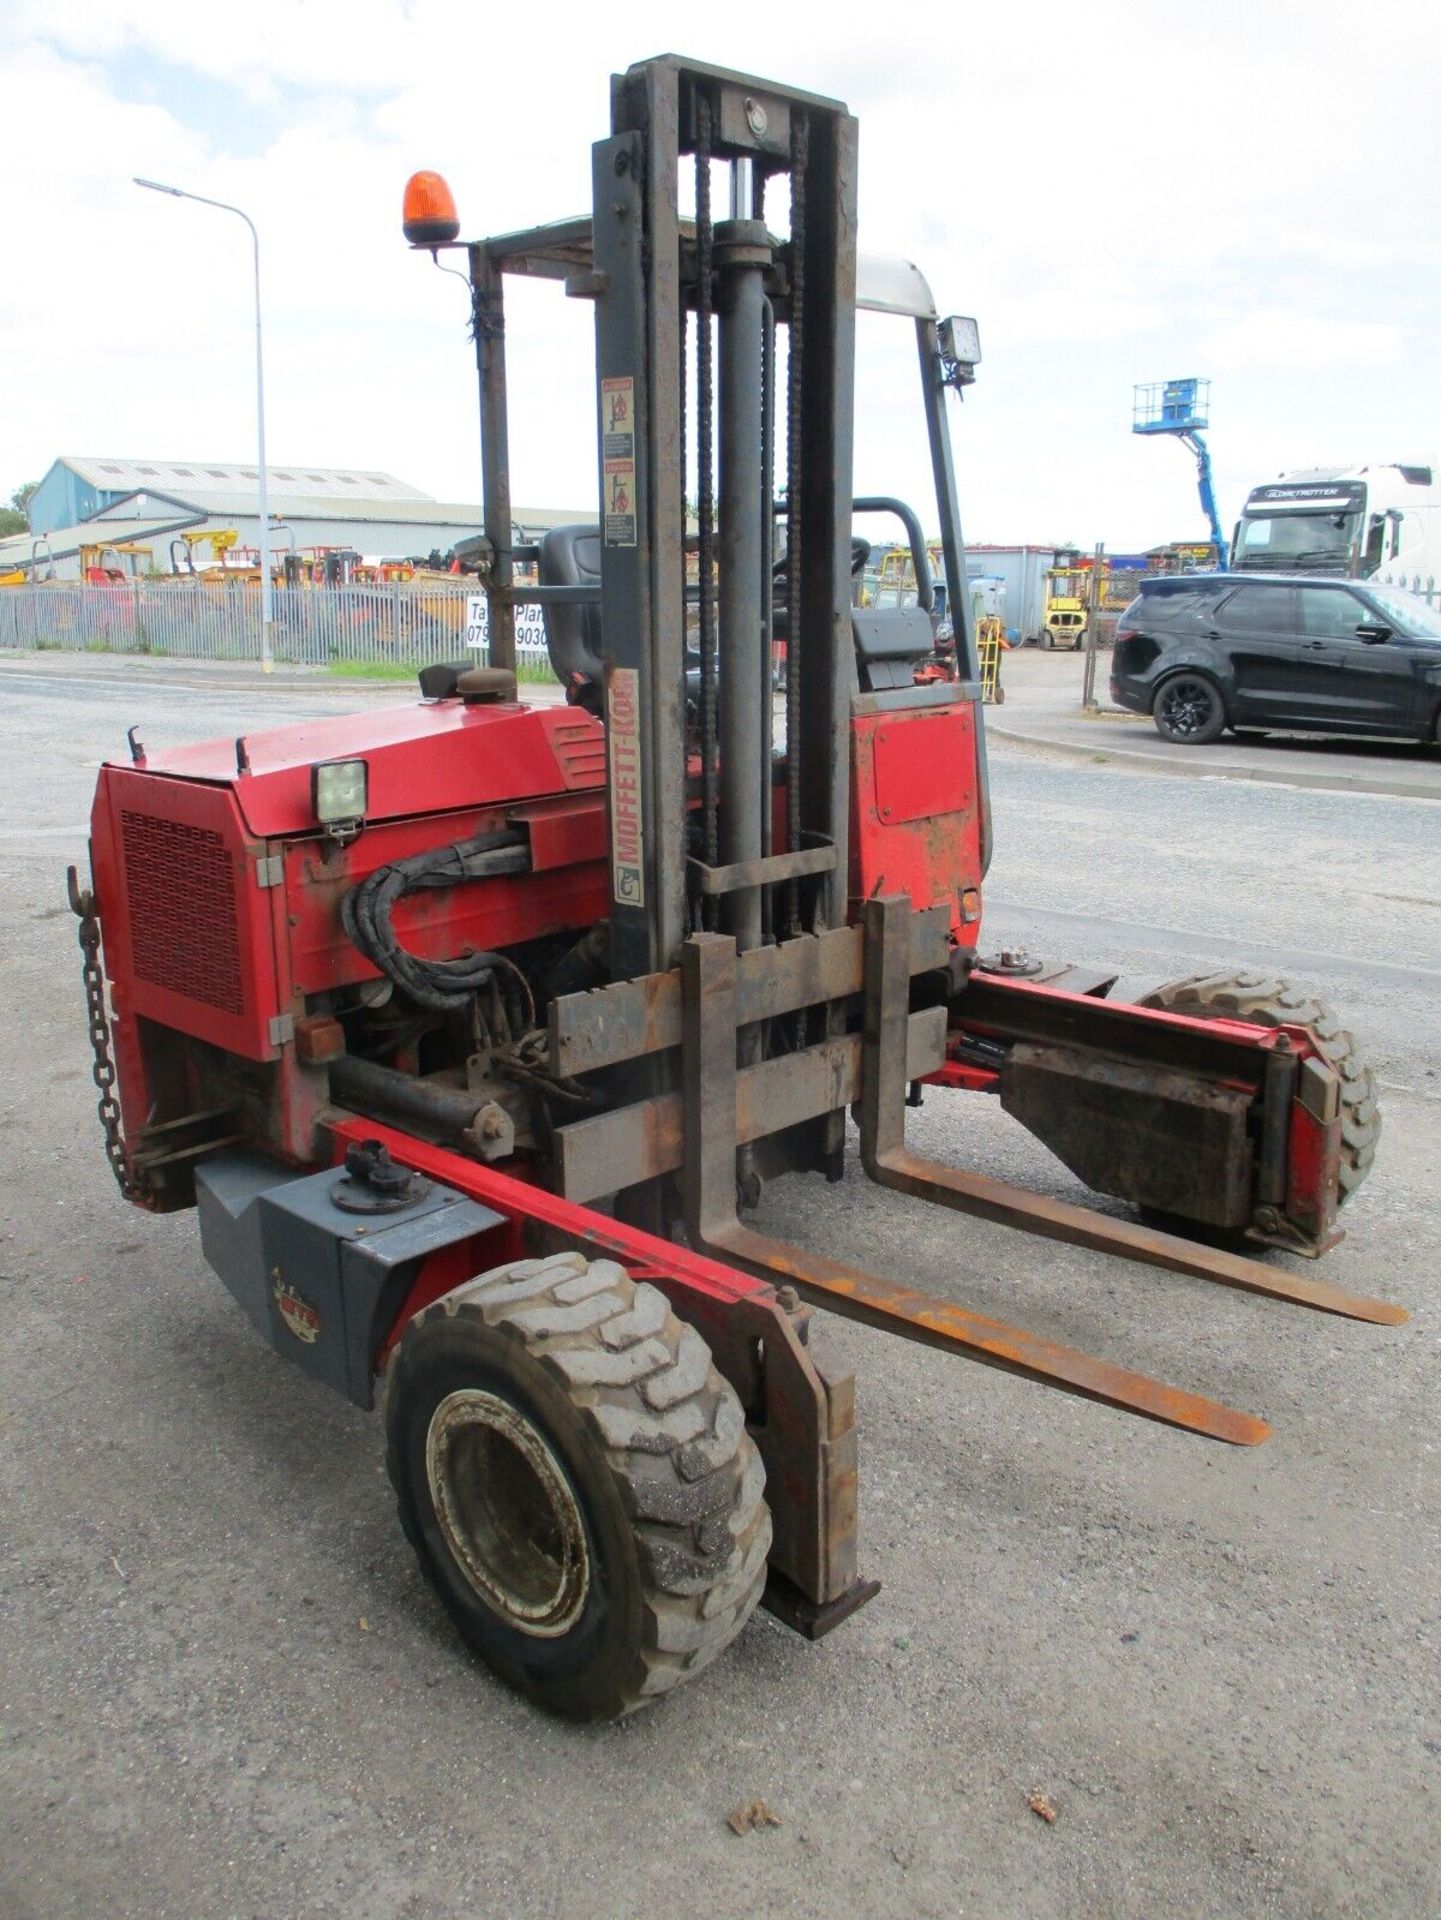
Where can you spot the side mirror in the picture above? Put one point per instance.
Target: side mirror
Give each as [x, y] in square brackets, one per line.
[1372, 632]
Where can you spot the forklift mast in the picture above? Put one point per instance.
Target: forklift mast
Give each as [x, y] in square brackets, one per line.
[650, 300]
[690, 313]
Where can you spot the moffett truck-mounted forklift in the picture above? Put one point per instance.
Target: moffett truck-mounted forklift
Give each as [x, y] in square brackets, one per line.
[474, 1029]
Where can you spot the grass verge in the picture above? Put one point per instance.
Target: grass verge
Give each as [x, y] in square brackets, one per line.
[528, 673]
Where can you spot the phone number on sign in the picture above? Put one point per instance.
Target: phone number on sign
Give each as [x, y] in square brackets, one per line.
[529, 625]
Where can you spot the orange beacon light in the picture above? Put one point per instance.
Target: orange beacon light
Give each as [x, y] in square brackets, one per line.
[428, 215]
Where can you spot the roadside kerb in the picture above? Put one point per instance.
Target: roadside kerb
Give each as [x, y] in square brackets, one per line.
[1194, 762]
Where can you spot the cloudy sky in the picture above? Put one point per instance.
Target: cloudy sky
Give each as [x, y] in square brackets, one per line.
[1124, 191]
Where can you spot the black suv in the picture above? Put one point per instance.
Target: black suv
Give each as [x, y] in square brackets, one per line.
[1203, 652]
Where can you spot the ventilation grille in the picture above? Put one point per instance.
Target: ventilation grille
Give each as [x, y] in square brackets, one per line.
[579, 747]
[181, 895]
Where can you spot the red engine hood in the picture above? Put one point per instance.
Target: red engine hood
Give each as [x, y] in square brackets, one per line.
[427, 757]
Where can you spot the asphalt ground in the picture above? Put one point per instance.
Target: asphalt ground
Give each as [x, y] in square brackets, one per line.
[225, 1690]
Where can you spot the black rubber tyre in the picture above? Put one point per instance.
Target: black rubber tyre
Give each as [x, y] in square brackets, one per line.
[1188, 710]
[578, 1483]
[1266, 1001]
[1047, 640]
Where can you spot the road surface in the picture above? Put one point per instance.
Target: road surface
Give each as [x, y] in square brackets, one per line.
[226, 1690]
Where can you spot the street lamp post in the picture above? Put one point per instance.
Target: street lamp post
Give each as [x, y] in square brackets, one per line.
[267, 657]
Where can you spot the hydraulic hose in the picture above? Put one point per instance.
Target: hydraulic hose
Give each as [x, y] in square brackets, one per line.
[365, 913]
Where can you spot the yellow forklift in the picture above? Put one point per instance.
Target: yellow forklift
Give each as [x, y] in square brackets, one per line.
[1067, 578]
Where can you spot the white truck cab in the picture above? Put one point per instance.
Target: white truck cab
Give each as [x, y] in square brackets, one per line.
[1379, 522]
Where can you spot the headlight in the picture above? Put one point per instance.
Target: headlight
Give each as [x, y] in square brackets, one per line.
[338, 790]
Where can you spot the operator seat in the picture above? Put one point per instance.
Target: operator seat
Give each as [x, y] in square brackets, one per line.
[570, 557]
[891, 642]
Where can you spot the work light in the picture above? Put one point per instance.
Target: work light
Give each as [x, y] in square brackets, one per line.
[338, 790]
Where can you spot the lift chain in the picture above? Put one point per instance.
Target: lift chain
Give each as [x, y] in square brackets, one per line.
[103, 1067]
[795, 476]
[705, 486]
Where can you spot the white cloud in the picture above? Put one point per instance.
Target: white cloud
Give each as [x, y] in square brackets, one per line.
[1283, 340]
[318, 45]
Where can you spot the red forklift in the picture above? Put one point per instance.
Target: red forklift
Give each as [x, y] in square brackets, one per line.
[474, 1029]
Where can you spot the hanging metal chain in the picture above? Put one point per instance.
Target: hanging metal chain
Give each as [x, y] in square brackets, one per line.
[795, 477]
[103, 1067]
[705, 505]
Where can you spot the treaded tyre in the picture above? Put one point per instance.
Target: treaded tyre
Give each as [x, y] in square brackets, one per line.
[578, 1483]
[1188, 710]
[1266, 1001]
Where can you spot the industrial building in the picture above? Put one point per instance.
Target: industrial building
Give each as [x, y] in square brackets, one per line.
[87, 499]
[1024, 570]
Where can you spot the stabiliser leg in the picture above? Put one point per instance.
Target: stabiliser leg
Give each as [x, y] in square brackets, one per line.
[708, 974]
[890, 1163]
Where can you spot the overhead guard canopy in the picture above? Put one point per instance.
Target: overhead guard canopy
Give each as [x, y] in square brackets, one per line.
[885, 283]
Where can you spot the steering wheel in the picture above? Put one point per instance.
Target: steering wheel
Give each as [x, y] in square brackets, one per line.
[860, 555]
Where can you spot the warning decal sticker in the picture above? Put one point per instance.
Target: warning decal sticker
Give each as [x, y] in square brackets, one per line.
[617, 449]
[619, 503]
[617, 419]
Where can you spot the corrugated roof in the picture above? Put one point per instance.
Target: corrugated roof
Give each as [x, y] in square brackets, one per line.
[231, 502]
[205, 479]
[420, 513]
[19, 549]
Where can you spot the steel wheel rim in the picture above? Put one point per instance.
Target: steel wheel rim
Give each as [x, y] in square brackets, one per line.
[507, 1512]
[1186, 706]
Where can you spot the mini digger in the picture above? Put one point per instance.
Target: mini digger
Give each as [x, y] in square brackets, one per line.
[474, 1029]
